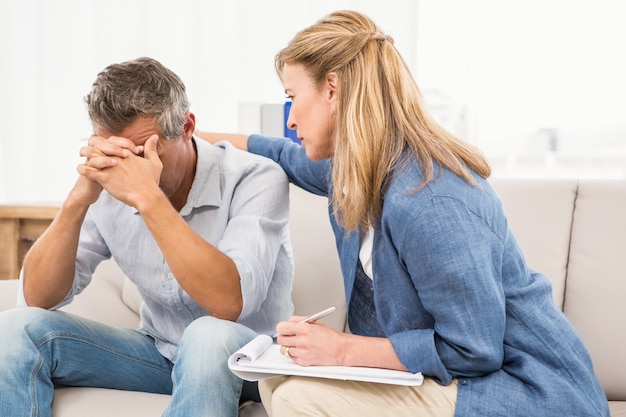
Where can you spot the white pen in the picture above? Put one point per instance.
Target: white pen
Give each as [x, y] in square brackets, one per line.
[314, 317]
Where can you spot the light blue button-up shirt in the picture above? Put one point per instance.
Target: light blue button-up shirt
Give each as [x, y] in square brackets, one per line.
[455, 297]
[239, 203]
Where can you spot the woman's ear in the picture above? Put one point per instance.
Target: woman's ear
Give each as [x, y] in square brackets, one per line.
[331, 86]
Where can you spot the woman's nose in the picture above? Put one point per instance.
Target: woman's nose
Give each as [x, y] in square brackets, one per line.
[291, 123]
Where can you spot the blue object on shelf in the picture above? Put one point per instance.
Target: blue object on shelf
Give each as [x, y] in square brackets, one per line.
[289, 133]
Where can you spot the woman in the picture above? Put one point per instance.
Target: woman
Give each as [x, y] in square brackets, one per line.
[435, 280]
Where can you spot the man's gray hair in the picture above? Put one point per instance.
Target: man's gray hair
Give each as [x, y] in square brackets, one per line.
[139, 88]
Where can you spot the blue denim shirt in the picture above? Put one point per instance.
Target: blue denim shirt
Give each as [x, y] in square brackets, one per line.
[454, 295]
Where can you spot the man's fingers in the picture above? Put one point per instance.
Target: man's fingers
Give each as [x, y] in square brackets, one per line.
[96, 159]
[150, 147]
[101, 162]
[114, 146]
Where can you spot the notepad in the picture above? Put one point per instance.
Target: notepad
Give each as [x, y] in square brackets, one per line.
[261, 358]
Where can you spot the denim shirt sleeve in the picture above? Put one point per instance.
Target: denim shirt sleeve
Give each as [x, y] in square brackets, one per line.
[313, 176]
[452, 257]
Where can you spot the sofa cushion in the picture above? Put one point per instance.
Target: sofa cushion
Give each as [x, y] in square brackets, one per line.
[128, 292]
[540, 214]
[596, 282]
[101, 402]
[617, 408]
[102, 299]
[318, 282]
[131, 296]
[8, 294]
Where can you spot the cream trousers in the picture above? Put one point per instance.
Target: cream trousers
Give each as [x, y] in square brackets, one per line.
[289, 396]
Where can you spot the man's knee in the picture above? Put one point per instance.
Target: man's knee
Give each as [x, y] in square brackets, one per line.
[23, 327]
[215, 334]
[25, 320]
[208, 338]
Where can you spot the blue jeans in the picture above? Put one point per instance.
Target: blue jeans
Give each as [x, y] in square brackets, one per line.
[42, 348]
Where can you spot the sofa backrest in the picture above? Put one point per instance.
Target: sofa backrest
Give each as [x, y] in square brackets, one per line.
[596, 279]
[572, 231]
[540, 213]
[575, 233]
[318, 282]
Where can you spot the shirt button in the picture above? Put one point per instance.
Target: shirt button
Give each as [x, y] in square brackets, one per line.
[170, 275]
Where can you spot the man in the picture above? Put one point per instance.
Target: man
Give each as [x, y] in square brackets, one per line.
[200, 229]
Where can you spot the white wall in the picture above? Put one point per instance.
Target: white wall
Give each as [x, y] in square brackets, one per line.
[51, 52]
[500, 73]
[512, 70]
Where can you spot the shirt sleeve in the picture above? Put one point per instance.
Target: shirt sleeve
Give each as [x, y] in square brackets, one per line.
[257, 231]
[454, 260]
[313, 176]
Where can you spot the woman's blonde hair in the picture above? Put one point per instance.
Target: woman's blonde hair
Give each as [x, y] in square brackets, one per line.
[379, 114]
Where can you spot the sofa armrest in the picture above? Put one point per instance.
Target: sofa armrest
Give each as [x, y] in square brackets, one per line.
[8, 294]
[101, 300]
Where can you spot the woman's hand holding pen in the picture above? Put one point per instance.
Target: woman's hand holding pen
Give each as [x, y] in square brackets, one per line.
[308, 342]
[311, 343]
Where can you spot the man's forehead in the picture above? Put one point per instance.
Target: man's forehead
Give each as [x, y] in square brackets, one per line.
[138, 131]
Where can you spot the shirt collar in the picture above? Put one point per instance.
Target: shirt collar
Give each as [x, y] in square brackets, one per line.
[206, 189]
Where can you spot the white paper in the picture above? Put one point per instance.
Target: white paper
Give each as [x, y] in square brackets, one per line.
[261, 359]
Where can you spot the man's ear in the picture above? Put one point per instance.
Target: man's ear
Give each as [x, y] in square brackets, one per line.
[190, 125]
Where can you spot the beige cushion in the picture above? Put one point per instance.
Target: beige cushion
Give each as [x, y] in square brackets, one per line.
[617, 408]
[131, 296]
[129, 293]
[102, 299]
[8, 294]
[540, 214]
[596, 284]
[318, 283]
[100, 402]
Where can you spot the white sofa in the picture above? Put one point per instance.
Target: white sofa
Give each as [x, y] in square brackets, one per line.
[573, 231]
